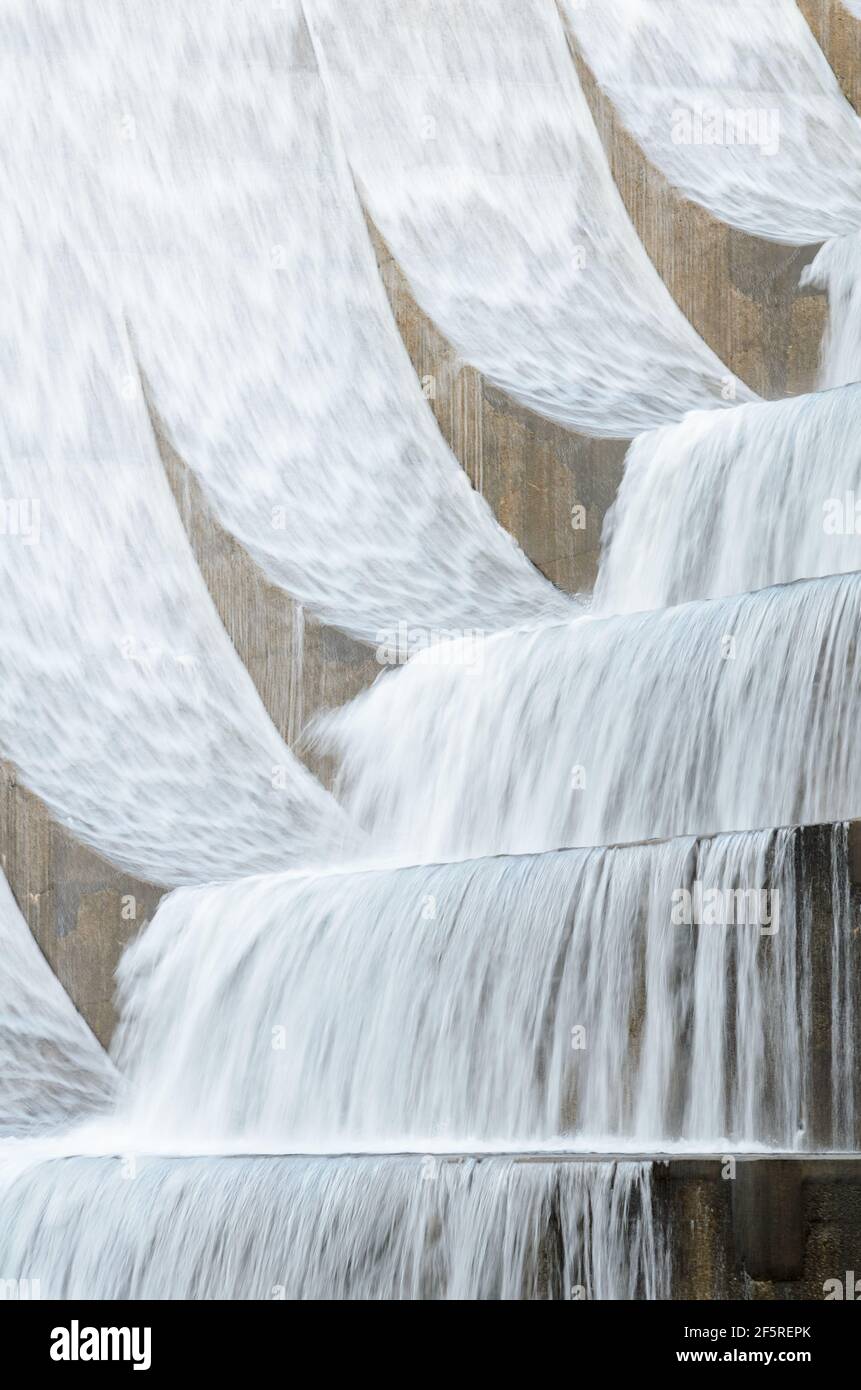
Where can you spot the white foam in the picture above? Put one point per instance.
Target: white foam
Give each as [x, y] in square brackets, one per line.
[477, 156]
[349, 1228]
[213, 199]
[736, 104]
[728, 714]
[722, 503]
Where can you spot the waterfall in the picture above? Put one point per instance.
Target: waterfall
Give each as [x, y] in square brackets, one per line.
[465, 1005]
[477, 156]
[735, 500]
[217, 210]
[843, 994]
[414, 1040]
[722, 715]
[736, 104]
[333, 1228]
[52, 1070]
[123, 703]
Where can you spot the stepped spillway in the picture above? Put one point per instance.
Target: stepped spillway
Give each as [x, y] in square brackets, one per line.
[346, 1228]
[723, 715]
[734, 501]
[466, 1005]
[556, 996]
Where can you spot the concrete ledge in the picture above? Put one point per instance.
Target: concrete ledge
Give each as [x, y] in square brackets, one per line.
[781, 1228]
[743, 1227]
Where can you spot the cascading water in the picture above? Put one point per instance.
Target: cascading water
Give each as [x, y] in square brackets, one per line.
[736, 104]
[326, 1228]
[837, 271]
[476, 153]
[502, 1020]
[339, 1013]
[466, 1006]
[736, 500]
[218, 211]
[843, 995]
[122, 702]
[560, 736]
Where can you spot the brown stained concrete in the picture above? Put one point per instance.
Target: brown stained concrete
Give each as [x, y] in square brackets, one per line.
[532, 471]
[740, 292]
[738, 1227]
[838, 34]
[81, 909]
[299, 666]
[759, 1228]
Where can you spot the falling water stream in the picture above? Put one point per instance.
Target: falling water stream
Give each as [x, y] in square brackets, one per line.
[213, 209]
[430, 1065]
[736, 104]
[465, 1005]
[365, 1228]
[837, 271]
[727, 502]
[476, 153]
[732, 713]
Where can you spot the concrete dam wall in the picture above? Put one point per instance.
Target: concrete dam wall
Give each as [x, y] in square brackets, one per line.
[429, 708]
[741, 293]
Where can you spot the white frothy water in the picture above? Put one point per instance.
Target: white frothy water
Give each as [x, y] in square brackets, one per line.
[837, 270]
[507, 1002]
[123, 703]
[476, 154]
[212, 198]
[731, 714]
[324, 1228]
[734, 101]
[467, 1005]
[736, 500]
[52, 1070]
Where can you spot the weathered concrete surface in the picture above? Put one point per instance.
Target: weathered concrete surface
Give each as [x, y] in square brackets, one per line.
[299, 665]
[740, 292]
[741, 1227]
[81, 909]
[759, 1228]
[838, 34]
[531, 471]
[822, 879]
